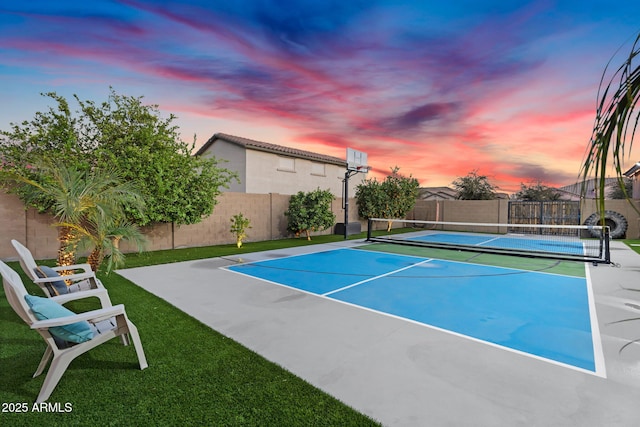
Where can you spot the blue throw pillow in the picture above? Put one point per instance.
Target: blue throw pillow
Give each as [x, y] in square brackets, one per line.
[58, 287]
[44, 308]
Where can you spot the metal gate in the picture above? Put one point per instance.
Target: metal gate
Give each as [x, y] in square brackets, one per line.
[559, 212]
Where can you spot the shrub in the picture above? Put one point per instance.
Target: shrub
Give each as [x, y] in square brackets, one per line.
[239, 226]
[310, 212]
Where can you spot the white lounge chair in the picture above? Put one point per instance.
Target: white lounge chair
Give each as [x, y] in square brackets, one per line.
[65, 332]
[53, 284]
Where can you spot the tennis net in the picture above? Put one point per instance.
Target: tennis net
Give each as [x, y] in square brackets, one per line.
[566, 242]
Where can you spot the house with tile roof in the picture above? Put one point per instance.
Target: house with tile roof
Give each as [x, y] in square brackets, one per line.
[634, 175]
[445, 193]
[265, 168]
[574, 191]
[436, 193]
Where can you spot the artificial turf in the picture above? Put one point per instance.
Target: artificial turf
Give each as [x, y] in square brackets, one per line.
[196, 376]
[634, 244]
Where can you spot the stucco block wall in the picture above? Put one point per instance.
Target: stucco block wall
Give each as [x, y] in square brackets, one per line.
[621, 206]
[497, 211]
[468, 211]
[41, 237]
[266, 213]
[215, 228]
[13, 222]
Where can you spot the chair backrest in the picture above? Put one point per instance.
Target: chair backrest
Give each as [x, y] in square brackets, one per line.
[15, 292]
[27, 262]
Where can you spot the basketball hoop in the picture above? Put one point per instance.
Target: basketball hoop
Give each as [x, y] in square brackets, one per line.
[357, 161]
[363, 169]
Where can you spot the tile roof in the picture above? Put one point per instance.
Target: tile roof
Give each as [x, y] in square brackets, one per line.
[633, 171]
[438, 192]
[590, 186]
[270, 148]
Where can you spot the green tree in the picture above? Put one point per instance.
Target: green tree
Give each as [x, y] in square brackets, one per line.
[136, 140]
[615, 124]
[391, 198]
[474, 187]
[309, 212]
[124, 135]
[537, 192]
[623, 192]
[51, 135]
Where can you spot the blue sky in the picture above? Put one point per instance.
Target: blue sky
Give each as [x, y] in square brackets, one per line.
[507, 88]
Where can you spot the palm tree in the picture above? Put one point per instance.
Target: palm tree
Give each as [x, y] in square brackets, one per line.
[615, 125]
[102, 235]
[83, 202]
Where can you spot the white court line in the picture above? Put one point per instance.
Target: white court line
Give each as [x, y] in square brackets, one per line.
[488, 241]
[598, 352]
[376, 277]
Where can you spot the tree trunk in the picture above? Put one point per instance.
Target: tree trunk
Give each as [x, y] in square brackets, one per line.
[95, 258]
[66, 248]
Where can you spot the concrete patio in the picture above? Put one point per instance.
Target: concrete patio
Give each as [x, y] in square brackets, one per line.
[406, 374]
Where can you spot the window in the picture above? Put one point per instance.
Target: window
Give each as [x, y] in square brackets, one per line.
[317, 169]
[286, 164]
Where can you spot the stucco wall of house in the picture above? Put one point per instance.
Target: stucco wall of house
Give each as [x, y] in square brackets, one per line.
[273, 173]
[262, 172]
[232, 157]
[636, 186]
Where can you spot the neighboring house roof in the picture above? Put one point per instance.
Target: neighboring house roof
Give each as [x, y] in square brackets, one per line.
[575, 189]
[445, 193]
[635, 169]
[271, 148]
[442, 193]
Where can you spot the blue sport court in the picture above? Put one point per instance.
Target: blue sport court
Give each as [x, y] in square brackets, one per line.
[537, 313]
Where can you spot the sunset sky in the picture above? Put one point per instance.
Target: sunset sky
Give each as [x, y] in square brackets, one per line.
[438, 88]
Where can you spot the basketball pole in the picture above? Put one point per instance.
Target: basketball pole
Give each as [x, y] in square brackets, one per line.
[345, 203]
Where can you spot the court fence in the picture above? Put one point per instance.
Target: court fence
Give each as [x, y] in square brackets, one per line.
[266, 213]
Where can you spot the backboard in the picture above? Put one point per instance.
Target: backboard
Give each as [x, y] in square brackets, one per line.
[357, 161]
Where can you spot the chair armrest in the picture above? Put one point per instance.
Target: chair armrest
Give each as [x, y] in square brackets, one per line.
[96, 315]
[74, 277]
[84, 267]
[63, 299]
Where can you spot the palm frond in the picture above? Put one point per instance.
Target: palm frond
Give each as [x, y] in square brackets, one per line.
[615, 125]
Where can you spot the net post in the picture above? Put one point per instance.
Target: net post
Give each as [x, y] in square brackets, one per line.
[607, 252]
[369, 226]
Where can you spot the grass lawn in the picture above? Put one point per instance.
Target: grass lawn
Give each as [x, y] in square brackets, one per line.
[196, 376]
[633, 244]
